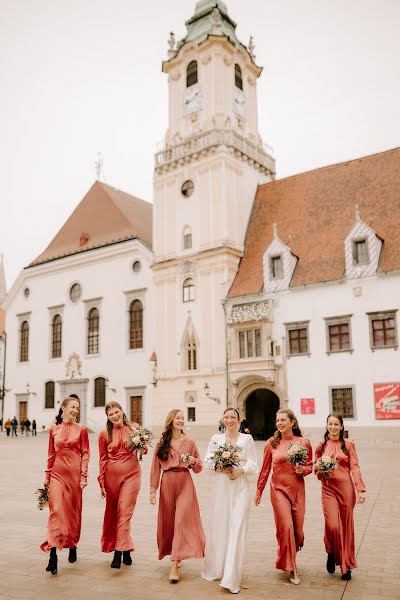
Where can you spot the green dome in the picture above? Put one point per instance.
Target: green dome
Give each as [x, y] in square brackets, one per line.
[203, 23]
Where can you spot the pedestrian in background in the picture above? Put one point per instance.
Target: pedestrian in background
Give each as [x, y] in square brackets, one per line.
[27, 427]
[14, 426]
[7, 426]
[34, 427]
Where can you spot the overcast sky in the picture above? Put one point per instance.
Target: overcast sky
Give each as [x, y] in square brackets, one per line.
[78, 77]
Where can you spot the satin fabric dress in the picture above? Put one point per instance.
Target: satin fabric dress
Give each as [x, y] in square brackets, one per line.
[288, 498]
[338, 500]
[179, 530]
[230, 502]
[120, 475]
[67, 465]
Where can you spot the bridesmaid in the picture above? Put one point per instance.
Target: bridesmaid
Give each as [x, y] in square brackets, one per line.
[287, 490]
[339, 497]
[119, 481]
[179, 532]
[230, 506]
[66, 477]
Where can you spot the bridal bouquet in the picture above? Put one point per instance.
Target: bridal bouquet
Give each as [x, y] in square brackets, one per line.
[42, 495]
[325, 464]
[185, 458]
[138, 439]
[297, 454]
[226, 456]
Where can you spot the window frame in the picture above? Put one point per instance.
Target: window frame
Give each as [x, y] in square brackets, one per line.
[56, 336]
[103, 381]
[93, 335]
[189, 296]
[354, 246]
[24, 333]
[298, 325]
[192, 73]
[238, 77]
[338, 321]
[243, 337]
[382, 316]
[272, 260]
[134, 319]
[191, 354]
[332, 388]
[191, 409]
[47, 395]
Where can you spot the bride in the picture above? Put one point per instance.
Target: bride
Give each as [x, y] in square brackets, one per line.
[230, 506]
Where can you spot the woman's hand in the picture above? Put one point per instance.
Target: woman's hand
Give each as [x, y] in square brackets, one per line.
[234, 474]
[103, 493]
[83, 484]
[299, 469]
[144, 450]
[46, 484]
[152, 497]
[191, 461]
[257, 500]
[360, 497]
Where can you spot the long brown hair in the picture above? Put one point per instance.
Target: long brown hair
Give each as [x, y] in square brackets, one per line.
[64, 403]
[234, 410]
[339, 417]
[110, 425]
[295, 427]
[164, 445]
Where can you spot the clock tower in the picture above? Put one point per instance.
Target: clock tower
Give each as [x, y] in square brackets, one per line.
[205, 180]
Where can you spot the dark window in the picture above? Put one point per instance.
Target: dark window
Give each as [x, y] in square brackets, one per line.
[93, 331]
[339, 337]
[188, 290]
[75, 292]
[191, 73]
[191, 355]
[56, 336]
[383, 332]
[250, 343]
[136, 266]
[24, 342]
[360, 252]
[135, 325]
[187, 188]
[191, 414]
[238, 77]
[276, 267]
[298, 341]
[187, 241]
[49, 394]
[342, 401]
[100, 391]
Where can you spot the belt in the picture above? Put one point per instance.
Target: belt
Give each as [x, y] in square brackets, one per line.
[175, 470]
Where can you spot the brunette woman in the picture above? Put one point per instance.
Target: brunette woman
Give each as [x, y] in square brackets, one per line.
[179, 533]
[66, 477]
[287, 490]
[119, 481]
[339, 496]
[229, 505]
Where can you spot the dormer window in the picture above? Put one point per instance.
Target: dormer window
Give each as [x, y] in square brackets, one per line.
[276, 266]
[360, 252]
[238, 77]
[191, 74]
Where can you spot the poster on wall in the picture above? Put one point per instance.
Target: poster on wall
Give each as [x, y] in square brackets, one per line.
[307, 406]
[387, 400]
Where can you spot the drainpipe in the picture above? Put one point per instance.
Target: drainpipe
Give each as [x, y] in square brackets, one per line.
[226, 355]
[3, 389]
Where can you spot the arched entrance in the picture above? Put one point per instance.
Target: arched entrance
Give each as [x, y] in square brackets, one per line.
[260, 407]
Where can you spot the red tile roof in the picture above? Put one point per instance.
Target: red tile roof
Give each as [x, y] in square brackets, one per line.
[315, 211]
[104, 216]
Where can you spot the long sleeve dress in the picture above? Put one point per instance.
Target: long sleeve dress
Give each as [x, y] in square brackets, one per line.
[338, 500]
[67, 465]
[179, 530]
[288, 498]
[229, 514]
[120, 476]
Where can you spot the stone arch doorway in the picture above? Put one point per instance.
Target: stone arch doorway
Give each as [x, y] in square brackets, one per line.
[260, 408]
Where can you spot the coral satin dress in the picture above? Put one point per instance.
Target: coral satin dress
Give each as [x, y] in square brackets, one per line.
[120, 475]
[338, 500]
[67, 466]
[288, 498]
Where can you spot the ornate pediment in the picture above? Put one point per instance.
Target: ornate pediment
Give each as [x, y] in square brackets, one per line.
[250, 312]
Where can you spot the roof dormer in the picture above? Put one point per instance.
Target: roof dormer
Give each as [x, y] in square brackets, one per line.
[362, 249]
[279, 264]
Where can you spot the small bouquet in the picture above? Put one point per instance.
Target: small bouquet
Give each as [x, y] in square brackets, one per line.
[297, 454]
[325, 464]
[185, 458]
[226, 456]
[138, 439]
[42, 495]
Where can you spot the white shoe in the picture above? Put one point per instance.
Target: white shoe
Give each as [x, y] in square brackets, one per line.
[294, 577]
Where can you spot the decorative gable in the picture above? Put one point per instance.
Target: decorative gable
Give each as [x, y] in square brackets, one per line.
[278, 265]
[362, 248]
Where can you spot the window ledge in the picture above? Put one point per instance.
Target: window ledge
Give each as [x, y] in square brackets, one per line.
[299, 354]
[98, 355]
[349, 350]
[373, 348]
[58, 359]
[135, 350]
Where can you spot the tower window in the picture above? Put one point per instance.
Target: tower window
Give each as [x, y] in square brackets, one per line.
[188, 290]
[191, 355]
[187, 238]
[238, 77]
[191, 73]
[187, 188]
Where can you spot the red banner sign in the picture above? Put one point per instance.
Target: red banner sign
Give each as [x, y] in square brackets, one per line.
[307, 406]
[387, 400]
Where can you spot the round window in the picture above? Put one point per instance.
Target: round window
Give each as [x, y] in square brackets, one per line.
[136, 266]
[187, 188]
[75, 292]
[27, 291]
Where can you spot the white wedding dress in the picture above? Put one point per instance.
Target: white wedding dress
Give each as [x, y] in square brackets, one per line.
[229, 515]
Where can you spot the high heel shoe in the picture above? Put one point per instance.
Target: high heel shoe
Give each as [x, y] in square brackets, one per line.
[126, 558]
[330, 563]
[53, 560]
[294, 577]
[72, 555]
[346, 576]
[116, 561]
[173, 578]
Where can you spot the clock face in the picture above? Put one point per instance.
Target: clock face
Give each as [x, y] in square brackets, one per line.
[192, 100]
[239, 103]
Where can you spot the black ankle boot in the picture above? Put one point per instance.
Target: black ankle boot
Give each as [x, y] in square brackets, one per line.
[72, 555]
[347, 576]
[52, 566]
[330, 563]
[116, 562]
[126, 557]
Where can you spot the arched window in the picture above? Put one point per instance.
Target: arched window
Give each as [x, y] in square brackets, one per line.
[24, 342]
[49, 394]
[135, 325]
[187, 238]
[238, 77]
[191, 354]
[188, 290]
[99, 391]
[56, 336]
[191, 73]
[93, 331]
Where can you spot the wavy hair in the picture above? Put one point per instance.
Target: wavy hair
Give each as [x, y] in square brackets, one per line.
[276, 438]
[339, 417]
[64, 403]
[110, 425]
[164, 445]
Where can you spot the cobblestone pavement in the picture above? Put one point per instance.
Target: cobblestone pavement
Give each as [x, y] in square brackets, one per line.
[22, 529]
